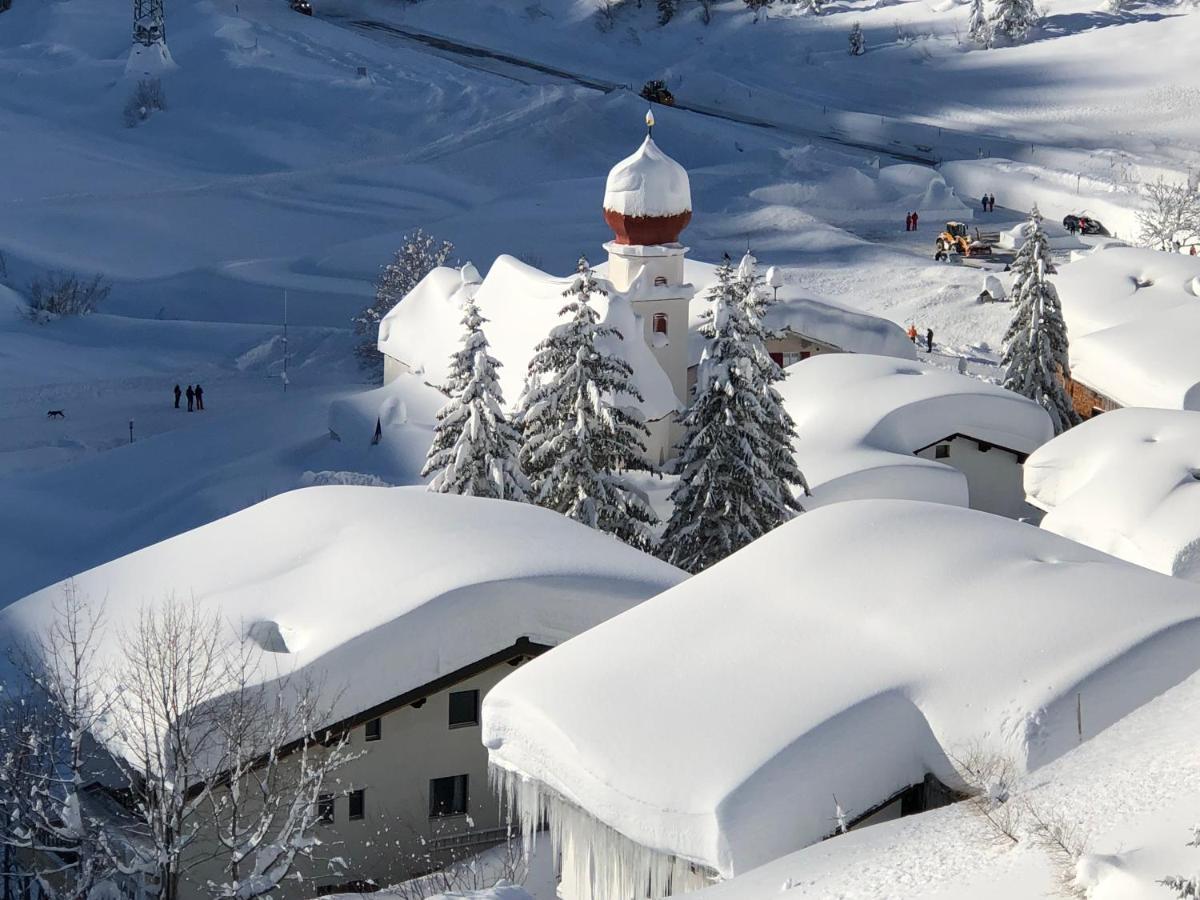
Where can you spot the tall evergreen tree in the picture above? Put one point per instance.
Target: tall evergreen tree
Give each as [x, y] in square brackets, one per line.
[978, 27]
[1014, 19]
[779, 430]
[733, 485]
[579, 440]
[858, 43]
[1035, 345]
[475, 448]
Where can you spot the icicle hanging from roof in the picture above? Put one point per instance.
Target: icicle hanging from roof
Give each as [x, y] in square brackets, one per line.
[598, 863]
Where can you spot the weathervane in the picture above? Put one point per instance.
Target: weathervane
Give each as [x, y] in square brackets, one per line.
[650, 123]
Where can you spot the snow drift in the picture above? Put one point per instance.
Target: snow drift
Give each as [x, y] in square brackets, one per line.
[1127, 483]
[850, 651]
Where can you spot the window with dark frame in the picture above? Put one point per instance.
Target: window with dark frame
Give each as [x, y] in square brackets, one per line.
[325, 807]
[942, 451]
[660, 323]
[358, 805]
[448, 796]
[464, 708]
[374, 729]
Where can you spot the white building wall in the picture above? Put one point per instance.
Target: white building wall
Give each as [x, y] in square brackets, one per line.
[394, 839]
[994, 477]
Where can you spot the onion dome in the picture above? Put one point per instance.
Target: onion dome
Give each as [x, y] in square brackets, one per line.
[648, 198]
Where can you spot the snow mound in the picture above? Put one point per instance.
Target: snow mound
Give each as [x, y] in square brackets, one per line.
[850, 194]
[1133, 322]
[648, 183]
[850, 652]
[1127, 483]
[861, 418]
[371, 591]
[521, 304]
[149, 62]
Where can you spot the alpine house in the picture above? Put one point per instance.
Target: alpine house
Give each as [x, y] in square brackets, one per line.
[407, 607]
[853, 653]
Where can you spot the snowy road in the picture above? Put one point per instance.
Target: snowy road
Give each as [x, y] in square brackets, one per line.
[484, 60]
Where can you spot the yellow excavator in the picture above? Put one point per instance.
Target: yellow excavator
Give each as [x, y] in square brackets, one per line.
[955, 239]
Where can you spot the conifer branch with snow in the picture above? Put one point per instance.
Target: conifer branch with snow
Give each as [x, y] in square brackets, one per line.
[978, 27]
[580, 435]
[738, 478]
[1014, 19]
[1036, 359]
[475, 448]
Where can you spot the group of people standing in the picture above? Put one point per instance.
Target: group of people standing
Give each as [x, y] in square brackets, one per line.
[910, 221]
[912, 336]
[989, 202]
[195, 397]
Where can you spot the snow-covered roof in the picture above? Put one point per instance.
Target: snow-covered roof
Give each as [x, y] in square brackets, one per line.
[847, 652]
[374, 591]
[861, 418]
[648, 183]
[832, 323]
[1127, 483]
[1126, 798]
[1133, 319]
[521, 304]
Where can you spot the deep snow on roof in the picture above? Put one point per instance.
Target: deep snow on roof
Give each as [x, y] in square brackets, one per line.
[848, 329]
[1133, 319]
[522, 304]
[847, 652]
[860, 419]
[376, 591]
[1129, 796]
[1127, 483]
[648, 183]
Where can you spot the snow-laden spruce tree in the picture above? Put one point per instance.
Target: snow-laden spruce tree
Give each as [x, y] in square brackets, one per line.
[1014, 19]
[666, 10]
[578, 438]
[978, 27]
[475, 448]
[419, 254]
[733, 486]
[858, 43]
[779, 430]
[1035, 345]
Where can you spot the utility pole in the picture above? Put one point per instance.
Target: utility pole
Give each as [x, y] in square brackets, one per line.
[285, 341]
[149, 23]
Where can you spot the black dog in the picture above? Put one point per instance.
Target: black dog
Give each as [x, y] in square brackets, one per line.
[56, 414]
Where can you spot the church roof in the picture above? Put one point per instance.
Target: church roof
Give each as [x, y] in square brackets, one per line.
[648, 183]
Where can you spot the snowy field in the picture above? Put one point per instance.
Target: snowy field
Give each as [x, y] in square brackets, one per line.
[295, 152]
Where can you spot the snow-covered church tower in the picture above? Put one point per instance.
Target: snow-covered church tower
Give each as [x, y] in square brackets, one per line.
[648, 203]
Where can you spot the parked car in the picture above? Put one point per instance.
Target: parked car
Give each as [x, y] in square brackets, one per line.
[1084, 224]
[656, 92]
[302, 6]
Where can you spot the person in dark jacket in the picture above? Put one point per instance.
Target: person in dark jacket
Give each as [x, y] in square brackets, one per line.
[199, 398]
[908, 222]
[191, 395]
[178, 394]
[983, 202]
[928, 340]
[915, 220]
